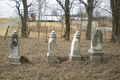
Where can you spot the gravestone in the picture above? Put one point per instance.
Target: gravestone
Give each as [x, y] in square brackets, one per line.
[75, 48]
[52, 49]
[14, 57]
[95, 52]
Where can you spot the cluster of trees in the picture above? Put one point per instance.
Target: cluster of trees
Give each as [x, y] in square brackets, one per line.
[66, 6]
[115, 6]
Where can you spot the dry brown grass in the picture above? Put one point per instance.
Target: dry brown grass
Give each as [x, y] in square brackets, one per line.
[11, 29]
[104, 23]
[6, 20]
[35, 51]
[56, 26]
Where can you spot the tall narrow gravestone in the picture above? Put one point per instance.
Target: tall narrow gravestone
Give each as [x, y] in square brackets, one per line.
[52, 49]
[14, 57]
[75, 48]
[95, 52]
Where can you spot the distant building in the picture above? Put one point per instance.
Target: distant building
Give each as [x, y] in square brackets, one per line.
[51, 18]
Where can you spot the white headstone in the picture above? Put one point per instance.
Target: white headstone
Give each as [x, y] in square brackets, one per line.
[52, 49]
[75, 48]
[14, 57]
[95, 51]
[96, 41]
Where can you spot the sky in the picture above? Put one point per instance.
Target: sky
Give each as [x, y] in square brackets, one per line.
[6, 11]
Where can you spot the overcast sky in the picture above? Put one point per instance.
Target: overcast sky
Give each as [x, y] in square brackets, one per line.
[6, 11]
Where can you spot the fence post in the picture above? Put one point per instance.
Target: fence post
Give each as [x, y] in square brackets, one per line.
[61, 31]
[6, 32]
[71, 31]
[104, 33]
[46, 35]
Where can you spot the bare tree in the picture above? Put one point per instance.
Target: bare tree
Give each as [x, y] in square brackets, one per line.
[90, 5]
[81, 14]
[40, 6]
[66, 6]
[58, 15]
[23, 15]
[115, 6]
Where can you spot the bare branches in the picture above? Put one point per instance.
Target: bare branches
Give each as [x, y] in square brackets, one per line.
[86, 5]
[97, 3]
[71, 4]
[18, 7]
[59, 1]
[30, 4]
[105, 10]
[10, 5]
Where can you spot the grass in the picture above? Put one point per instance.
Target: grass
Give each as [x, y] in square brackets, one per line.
[35, 50]
[56, 26]
[11, 29]
[6, 20]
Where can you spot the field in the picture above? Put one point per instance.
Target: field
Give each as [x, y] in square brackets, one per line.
[56, 26]
[35, 67]
[34, 50]
[6, 20]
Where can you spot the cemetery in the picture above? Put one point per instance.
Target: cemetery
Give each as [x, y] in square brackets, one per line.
[77, 59]
[59, 40]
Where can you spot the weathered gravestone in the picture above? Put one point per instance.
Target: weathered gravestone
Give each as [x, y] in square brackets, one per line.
[52, 49]
[75, 48]
[95, 52]
[14, 57]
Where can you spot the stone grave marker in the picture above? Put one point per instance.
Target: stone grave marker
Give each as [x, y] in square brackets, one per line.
[14, 57]
[95, 52]
[75, 48]
[52, 49]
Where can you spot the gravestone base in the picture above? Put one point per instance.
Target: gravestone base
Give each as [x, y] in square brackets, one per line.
[15, 60]
[95, 55]
[75, 57]
[52, 59]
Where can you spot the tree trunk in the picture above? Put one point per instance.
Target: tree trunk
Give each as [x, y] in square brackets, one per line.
[67, 27]
[115, 4]
[67, 34]
[113, 37]
[23, 31]
[118, 27]
[88, 33]
[113, 21]
[24, 19]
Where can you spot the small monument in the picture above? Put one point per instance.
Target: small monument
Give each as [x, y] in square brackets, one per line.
[14, 57]
[52, 49]
[95, 52]
[75, 48]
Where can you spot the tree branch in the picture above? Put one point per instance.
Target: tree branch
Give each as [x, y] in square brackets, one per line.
[71, 4]
[97, 3]
[86, 5]
[10, 5]
[61, 4]
[18, 7]
[105, 10]
[30, 4]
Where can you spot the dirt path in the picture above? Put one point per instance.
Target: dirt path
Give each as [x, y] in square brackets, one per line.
[11, 23]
